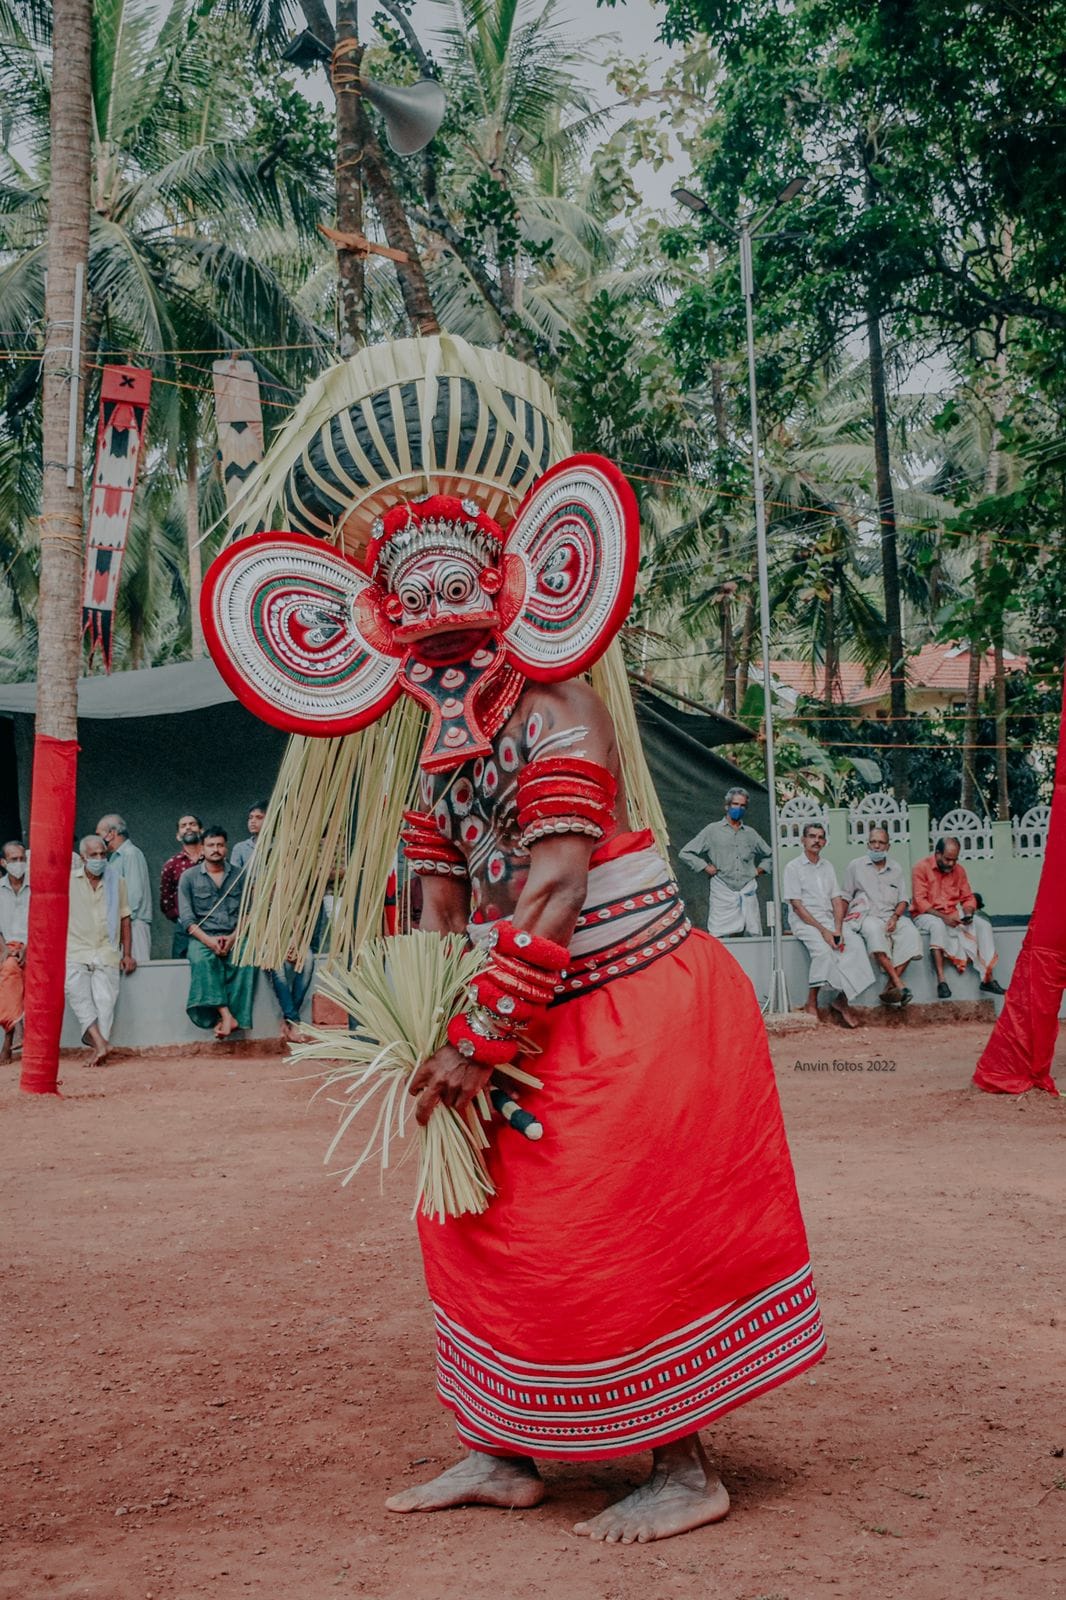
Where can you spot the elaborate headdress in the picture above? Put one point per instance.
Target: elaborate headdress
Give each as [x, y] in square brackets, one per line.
[429, 487]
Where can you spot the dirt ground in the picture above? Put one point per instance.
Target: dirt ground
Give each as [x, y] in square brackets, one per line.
[217, 1362]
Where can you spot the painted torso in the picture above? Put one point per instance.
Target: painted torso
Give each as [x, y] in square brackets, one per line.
[475, 805]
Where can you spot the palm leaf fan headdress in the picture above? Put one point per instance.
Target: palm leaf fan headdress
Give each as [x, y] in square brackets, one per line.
[397, 421]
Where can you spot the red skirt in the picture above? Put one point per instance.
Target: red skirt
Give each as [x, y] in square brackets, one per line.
[643, 1268]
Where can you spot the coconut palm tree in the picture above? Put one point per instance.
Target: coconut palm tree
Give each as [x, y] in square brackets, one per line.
[203, 228]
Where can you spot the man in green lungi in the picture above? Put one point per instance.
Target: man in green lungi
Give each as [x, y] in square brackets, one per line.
[209, 899]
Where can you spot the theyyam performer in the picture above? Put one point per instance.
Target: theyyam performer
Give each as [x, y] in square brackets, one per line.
[642, 1268]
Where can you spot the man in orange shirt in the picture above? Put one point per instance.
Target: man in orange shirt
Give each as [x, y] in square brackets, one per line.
[945, 906]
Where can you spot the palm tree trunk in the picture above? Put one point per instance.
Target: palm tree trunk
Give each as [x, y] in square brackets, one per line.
[968, 792]
[1002, 773]
[351, 130]
[721, 433]
[886, 510]
[192, 540]
[830, 652]
[52, 802]
[389, 207]
[747, 635]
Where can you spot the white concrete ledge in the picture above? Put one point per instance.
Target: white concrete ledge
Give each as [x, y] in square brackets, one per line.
[151, 1008]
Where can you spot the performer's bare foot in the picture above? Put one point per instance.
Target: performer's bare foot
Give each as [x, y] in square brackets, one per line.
[227, 1023]
[682, 1493]
[479, 1480]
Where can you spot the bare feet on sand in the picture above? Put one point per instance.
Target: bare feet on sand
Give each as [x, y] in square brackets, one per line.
[682, 1493]
[480, 1480]
[227, 1023]
[844, 1013]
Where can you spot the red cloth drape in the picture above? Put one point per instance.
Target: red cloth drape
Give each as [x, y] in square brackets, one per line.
[52, 801]
[1018, 1055]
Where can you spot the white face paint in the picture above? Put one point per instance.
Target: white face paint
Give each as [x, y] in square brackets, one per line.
[445, 589]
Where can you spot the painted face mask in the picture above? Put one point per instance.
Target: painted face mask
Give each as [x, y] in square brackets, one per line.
[444, 606]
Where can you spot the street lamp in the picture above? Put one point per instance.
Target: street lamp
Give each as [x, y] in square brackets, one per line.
[777, 996]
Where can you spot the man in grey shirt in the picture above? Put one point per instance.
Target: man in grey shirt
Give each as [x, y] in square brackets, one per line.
[878, 892]
[125, 859]
[209, 900]
[733, 856]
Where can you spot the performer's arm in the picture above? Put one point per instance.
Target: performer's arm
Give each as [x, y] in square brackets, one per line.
[445, 904]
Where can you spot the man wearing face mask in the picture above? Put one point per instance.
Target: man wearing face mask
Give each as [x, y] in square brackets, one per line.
[878, 895]
[732, 855]
[14, 926]
[944, 906]
[98, 945]
[190, 831]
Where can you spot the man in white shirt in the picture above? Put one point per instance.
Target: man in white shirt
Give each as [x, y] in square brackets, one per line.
[816, 918]
[99, 946]
[878, 892]
[14, 932]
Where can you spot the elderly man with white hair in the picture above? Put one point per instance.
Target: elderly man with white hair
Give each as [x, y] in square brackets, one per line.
[98, 946]
[878, 892]
[733, 856]
[128, 862]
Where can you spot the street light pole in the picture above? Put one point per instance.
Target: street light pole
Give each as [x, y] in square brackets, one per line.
[777, 995]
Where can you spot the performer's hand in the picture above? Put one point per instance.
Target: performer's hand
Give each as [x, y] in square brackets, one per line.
[445, 1079]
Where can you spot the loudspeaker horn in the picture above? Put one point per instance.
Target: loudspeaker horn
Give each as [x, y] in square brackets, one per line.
[412, 112]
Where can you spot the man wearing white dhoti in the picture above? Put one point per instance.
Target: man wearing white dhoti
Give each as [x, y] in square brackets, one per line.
[98, 946]
[733, 856]
[945, 907]
[878, 892]
[816, 910]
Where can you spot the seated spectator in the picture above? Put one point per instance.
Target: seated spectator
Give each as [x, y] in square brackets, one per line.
[732, 855]
[945, 907]
[816, 918]
[209, 900]
[290, 984]
[190, 834]
[99, 946]
[245, 849]
[878, 893]
[14, 934]
[129, 863]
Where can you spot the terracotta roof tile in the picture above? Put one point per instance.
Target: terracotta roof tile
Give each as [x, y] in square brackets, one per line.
[935, 666]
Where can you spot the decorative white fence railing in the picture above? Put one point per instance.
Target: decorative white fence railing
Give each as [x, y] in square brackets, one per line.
[976, 835]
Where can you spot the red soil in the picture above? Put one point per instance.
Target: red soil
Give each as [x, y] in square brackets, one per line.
[219, 1362]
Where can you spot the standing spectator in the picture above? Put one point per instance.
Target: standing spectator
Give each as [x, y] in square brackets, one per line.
[14, 932]
[209, 899]
[190, 837]
[731, 854]
[878, 893]
[245, 850]
[129, 863]
[945, 907]
[816, 918]
[99, 945]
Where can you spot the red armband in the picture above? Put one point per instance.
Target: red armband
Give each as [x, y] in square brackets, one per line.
[426, 848]
[473, 1045]
[529, 948]
[564, 794]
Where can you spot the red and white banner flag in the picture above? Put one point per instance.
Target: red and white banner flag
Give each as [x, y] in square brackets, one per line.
[124, 396]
